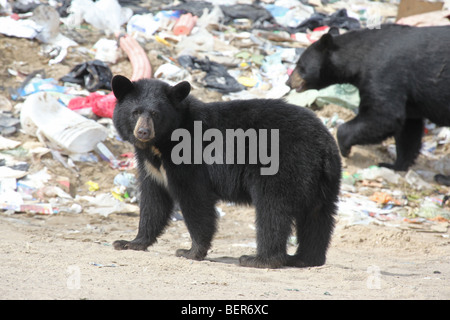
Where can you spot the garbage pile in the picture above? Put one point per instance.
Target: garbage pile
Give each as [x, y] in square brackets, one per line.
[225, 49]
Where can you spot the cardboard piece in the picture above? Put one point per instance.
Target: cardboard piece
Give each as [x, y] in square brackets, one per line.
[408, 8]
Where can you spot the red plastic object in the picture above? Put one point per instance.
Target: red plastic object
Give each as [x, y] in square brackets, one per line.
[102, 105]
[312, 37]
[322, 28]
[83, 102]
[105, 106]
[185, 24]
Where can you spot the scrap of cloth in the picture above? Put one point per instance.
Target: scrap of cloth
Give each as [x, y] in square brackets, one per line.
[339, 19]
[253, 12]
[93, 75]
[217, 76]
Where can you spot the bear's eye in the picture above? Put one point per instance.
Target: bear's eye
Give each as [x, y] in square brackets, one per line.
[154, 114]
[136, 113]
[301, 68]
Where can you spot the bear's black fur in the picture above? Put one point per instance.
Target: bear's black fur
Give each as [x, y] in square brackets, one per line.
[403, 76]
[304, 191]
[442, 179]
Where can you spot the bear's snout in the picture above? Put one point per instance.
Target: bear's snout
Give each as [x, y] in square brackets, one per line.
[295, 81]
[143, 134]
[143, 131]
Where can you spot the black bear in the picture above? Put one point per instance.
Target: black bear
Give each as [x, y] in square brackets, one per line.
[193, 154]
[442, 179]
[403, 76]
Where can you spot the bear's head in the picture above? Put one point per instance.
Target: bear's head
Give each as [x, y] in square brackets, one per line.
[312, 70]
[147, 110]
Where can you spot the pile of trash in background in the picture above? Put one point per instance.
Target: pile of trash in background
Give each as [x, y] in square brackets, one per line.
[59, 152]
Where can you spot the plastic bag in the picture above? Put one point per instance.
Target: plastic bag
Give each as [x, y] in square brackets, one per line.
[106, 15]
[101, 105]
[217, 76]
[93, 75]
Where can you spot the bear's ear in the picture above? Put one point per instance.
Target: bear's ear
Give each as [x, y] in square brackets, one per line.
[180, 91]
[333, 31]
[326, 42]
[121, 86]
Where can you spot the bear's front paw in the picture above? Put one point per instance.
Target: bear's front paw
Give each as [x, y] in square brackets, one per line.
[386, 165]
[129, 245]
[345, 151]
[394, 166]
[342, 138]
[190, 254]
[441, 179]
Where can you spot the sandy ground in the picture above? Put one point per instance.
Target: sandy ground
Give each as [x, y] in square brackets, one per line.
[70, 256]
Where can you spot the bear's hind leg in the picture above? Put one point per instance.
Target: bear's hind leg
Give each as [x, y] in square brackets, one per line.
[273, 227]
[314, 230]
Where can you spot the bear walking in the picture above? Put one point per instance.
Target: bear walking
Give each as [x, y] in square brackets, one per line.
[195, 154]
[403, 76]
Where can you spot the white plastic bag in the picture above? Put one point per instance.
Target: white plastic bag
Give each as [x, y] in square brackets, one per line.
[106, 15]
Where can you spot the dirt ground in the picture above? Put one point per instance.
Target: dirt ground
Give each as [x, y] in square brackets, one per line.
[70, 256]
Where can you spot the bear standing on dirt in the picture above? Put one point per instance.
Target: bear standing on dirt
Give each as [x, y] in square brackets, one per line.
[186, 154]
[403, 76]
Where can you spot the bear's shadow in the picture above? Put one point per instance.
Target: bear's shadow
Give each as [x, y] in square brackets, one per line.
[226, 260]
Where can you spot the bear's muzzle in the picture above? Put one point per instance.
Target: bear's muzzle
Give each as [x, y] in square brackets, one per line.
[144, 129]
